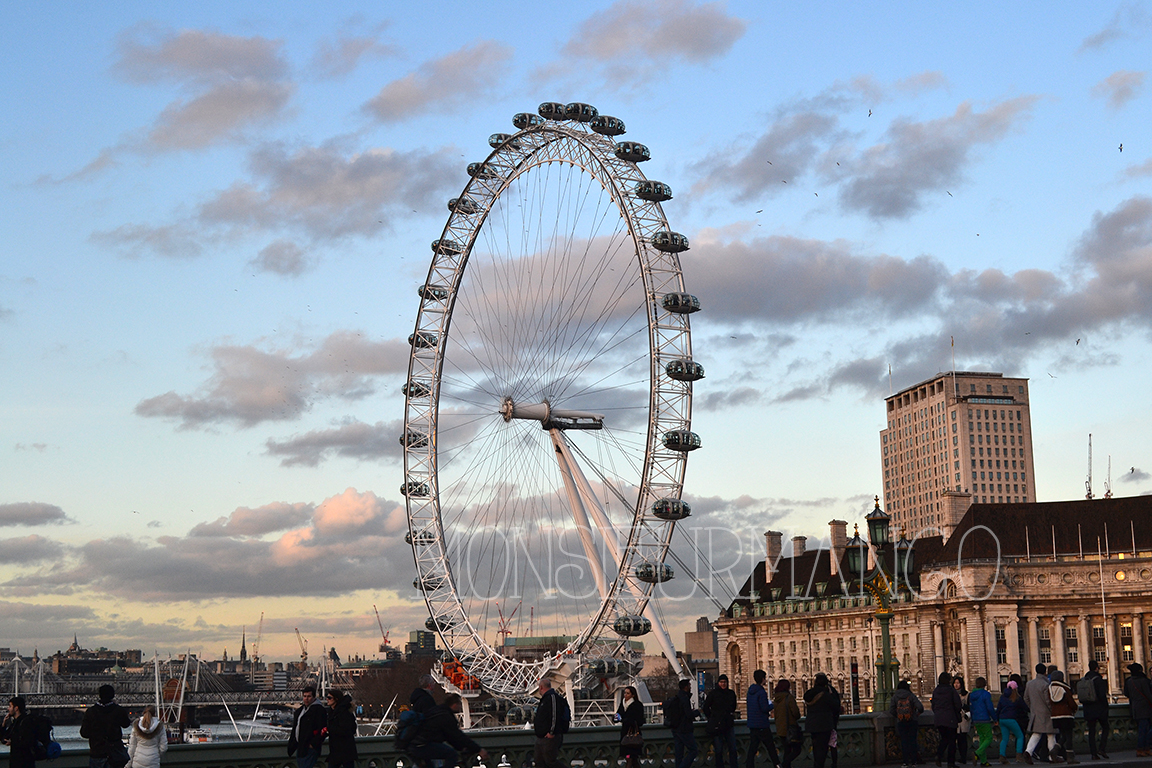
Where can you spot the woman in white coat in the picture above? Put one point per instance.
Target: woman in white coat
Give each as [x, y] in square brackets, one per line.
[148, 741]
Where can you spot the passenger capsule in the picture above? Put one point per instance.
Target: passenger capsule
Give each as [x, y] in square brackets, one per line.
[433, 292]
[680, 303]
[609, 667]
[684, 370]
[414, 439]
[435, 625]
[682, 440]
[481, 171]
[423, 340]
[654, 573]
[498, 140]
[607, 126]
[416, 389]
[669, 242]
[671, 509]
[429, 583]
[580, 112]
[653, 191]
[630, 625]
[524, 120]
[446, 247]
[420, 538]
[552, 110]
[415, 489]
[463, 205]
[633, 152]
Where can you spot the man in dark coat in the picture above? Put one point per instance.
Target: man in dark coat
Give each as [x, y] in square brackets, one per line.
[720, 709]
[103, 726]
[822, 708]
[440, 737]
[906, 709]
[684, 731]
[1139, 692]
[1096, 712]
[19, 733]
[308, 729]
[421, 699]
[759, 729]
[546, 724]
[946, 708]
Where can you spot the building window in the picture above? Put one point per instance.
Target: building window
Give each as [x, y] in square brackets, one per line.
[1001, 646]
[1045, 637]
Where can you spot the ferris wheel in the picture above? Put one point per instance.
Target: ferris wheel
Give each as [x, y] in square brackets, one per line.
[548, 403]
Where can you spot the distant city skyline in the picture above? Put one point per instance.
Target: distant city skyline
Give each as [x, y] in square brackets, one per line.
[217, 216]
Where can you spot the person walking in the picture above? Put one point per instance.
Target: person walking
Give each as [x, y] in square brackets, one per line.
[631, 717]
[19, 733]
[946, 706]
[308, 729]
[1063, 713]
[421, 699]
[1139, 693]
[787, 722]
[1092, 691]
[821, 708]
[683, 729]
[1007, 713]
[548, 726]
[906, 708]
[341, 730]
[103, 725]
[983, 716]
[719, 710]
[148, 740]
[1040, 720]
[759, 729]
[964, 727]
[440, 737]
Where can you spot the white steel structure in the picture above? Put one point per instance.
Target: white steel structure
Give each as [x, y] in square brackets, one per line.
[548, 403]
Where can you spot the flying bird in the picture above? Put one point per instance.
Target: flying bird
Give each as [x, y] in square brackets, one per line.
[760, 211]
[837, 163]
[869, 113]
[949, 193]
[1133, 470]
[1121, 146]
[782, 181]
[1050, 375]
[1027, 333]
[769, 162]
[1077, 342]
[817, 194]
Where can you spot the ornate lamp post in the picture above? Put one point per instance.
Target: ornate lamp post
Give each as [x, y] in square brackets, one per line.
[882, 585]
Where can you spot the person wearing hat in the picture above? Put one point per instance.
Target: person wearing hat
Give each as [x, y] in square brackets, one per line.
[1063, 709]
[103, 726]
[1007, 714]
[1139, 693]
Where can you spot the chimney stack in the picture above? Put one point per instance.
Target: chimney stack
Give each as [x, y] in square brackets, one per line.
[798, 543]
[774, 541]
[837, 543]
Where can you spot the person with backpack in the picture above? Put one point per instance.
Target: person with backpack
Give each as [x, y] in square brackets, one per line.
[103, 726]
[679, 716]
[1139, 693]
[821, 709]
[906, 708]
[1040, 725]
[1063, 712]
[308, 729]
[983, 716]
[550, 724]
[148, 740]
[439, 736]
[787, 722]
[20, 732]
[1092, 691]
[759, 708]
[1008, 714]
[341, 730]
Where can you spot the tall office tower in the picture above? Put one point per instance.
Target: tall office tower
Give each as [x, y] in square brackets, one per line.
[959, 438]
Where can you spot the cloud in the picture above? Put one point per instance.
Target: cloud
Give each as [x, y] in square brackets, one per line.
[31, 513]
[1119, 87]
[892, 178]
[351, 542]
[352, 439]
[29, 549]
[173, 241]
[250, 385]
[281, 257]
[443, 84]
[1126, 22]
[340, 54]
[38, 447]
[1139, 171]
[1135, 475]
[631, 41]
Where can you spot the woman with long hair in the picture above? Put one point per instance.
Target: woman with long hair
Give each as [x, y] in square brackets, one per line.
[630, 715]
[1008, 713]
[964, 728]
[341, 730]
[148, 741]
[787, 722]
[946, 708]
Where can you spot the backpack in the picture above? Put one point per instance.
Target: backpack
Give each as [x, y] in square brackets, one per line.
[904, 709]
[563, 715]
[672, 711]
[44, 748]
[1086, 690]
[407, 727]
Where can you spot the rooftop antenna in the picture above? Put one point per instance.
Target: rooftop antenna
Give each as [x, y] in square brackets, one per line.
[1108, 482]
[1088, 482]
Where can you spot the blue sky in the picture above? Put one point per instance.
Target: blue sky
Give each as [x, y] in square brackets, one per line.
[215, 217]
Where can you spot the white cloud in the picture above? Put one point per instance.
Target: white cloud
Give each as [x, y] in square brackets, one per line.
[1120, 87]
[443, 84]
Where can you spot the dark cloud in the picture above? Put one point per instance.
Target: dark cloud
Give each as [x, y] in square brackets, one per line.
[444, 84]
[31, 513]
[1134, 475]
[251, 385]
[29, 549]
[353, 439]
[1128, 21]
[1119, 88]
[245, 521]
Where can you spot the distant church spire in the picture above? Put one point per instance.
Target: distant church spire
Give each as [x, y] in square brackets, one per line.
[243, 649]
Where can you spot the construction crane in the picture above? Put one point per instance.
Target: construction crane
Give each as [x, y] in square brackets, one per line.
[503, 631]
[303, 648]
[384, 647]
[256, 645]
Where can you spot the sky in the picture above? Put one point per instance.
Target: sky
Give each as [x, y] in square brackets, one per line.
[216, 216]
